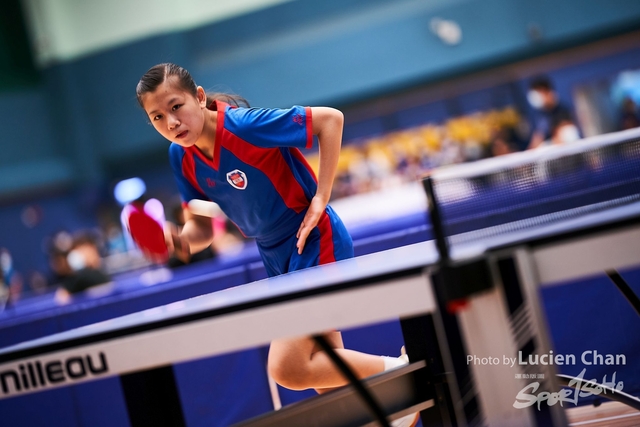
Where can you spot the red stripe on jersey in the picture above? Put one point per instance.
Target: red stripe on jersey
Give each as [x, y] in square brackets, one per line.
[189, 170]
[270, 162]
[300, 157]
[195, 151]
[221, 106]
[326, 239]
[309, 124]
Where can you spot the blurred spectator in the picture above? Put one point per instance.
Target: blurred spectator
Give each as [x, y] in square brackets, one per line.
[6, 265]
[564, 131]
[629, 114]
[502, 143]
[551, 114]
[4, 294]
[361, 170]
[379, 165]
[115, 241]
[6, 272]
[58, 249]
[83, 268]
[11, 281]
[450, 152]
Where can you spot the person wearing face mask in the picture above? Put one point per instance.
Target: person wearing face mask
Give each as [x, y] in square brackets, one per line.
[564, 131]
[554, 122]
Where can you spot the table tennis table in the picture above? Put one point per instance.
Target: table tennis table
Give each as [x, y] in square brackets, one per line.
[479, 298]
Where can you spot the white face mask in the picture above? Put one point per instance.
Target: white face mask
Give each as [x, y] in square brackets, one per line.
[535, 99]
[76, 260]
[568, 133]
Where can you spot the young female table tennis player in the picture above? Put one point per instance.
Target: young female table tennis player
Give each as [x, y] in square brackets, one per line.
[248, 161]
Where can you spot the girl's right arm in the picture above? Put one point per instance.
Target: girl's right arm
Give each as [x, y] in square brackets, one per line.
[196, 234]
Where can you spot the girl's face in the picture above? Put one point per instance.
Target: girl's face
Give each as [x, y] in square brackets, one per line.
[175, 113]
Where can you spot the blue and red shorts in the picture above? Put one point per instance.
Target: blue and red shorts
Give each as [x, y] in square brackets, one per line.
[329, 241]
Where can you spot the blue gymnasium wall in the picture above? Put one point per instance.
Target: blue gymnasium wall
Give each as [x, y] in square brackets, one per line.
[80, 127]
[305, 52]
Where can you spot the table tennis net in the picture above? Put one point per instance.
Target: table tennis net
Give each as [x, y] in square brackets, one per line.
[533, 188]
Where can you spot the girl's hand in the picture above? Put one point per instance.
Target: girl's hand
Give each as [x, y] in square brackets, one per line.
[311, 218]
[177, 245]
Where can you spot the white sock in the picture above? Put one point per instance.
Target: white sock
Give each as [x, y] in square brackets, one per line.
[392, 362]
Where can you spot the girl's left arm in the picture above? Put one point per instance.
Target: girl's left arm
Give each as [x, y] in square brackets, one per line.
[327, 125]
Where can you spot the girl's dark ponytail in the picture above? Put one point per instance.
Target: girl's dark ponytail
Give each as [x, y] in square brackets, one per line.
[233, 100]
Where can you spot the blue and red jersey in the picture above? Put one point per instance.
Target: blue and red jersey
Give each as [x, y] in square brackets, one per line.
[258, 175]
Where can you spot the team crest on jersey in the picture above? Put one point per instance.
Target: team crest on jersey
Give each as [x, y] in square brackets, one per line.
[237, 179]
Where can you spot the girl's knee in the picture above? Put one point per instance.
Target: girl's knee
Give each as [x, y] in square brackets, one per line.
[293, 375]
[289, 363]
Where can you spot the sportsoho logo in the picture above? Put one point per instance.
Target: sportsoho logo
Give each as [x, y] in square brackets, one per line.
[37, 374]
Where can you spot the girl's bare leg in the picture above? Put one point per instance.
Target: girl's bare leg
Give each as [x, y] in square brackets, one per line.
[298, 364]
